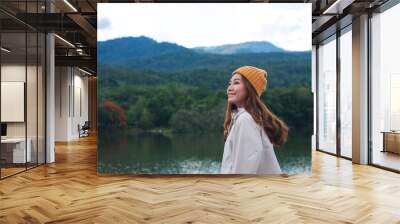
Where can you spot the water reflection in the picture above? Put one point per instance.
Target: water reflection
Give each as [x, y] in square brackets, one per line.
[157, 153]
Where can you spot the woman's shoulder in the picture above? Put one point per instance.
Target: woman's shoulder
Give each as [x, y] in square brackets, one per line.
[245, 118]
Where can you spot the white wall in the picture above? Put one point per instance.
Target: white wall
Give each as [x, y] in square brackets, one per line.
[33, 126]
[71, 94]
[16, 73]
[61, 103]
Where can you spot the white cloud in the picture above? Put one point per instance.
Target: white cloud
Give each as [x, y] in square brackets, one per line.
[208, 24]
[103, 23]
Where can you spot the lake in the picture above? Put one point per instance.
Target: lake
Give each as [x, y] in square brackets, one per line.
[156, 153]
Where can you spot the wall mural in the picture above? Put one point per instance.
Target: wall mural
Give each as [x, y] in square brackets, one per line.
[204, 88]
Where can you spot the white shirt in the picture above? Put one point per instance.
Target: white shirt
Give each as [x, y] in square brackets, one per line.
[248, 149]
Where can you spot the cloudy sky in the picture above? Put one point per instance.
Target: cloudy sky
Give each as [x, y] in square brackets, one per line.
[200, 24]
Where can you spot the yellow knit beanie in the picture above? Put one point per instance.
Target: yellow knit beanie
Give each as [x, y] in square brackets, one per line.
[256, 76]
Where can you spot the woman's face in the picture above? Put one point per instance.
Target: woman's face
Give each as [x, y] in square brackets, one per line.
[236, 90]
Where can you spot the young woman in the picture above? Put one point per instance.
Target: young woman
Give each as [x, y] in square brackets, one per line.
[250, 129]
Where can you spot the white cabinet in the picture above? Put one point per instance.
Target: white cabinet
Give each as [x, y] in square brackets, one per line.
[18, 149]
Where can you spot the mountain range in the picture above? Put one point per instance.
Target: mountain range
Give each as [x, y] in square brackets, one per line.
[143, 46]
[246, 47]
[140, 60]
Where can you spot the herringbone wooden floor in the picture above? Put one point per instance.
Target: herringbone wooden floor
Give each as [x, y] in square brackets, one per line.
[70, 191]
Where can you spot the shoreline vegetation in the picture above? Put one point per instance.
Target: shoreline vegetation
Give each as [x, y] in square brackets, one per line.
[174, 109]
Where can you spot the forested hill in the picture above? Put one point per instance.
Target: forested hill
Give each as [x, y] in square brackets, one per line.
[142, 60]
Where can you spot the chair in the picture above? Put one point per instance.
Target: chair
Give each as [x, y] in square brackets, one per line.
[84, 130]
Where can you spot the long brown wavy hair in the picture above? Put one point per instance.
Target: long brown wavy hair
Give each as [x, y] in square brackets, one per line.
[274, 127]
